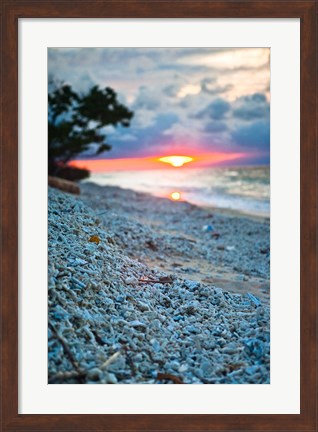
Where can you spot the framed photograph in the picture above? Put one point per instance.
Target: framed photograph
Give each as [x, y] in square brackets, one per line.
[159, 215]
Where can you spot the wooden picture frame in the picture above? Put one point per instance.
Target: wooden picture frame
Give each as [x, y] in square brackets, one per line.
[12, 11]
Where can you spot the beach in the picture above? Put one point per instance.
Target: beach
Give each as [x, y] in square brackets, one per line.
[147, 290]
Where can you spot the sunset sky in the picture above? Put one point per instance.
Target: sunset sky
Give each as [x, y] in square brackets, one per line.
[199, 102]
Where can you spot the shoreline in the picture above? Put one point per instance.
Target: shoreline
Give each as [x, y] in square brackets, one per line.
[237, 213]
[146, 290]
[218, 210]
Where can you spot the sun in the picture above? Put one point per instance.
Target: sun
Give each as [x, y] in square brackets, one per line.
[176, 196]
[176, 161]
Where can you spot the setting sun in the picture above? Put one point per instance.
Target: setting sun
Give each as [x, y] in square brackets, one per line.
[176, 161]
[176, 196]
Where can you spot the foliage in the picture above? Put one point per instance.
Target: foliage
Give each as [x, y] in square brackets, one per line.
[76, 122]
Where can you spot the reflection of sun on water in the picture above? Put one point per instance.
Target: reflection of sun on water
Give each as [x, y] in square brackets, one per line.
[175, 196]
[176, 161]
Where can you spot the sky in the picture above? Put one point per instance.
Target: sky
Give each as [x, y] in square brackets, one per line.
[187, 101]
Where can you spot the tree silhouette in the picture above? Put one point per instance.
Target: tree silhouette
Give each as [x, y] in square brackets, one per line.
[75, 122]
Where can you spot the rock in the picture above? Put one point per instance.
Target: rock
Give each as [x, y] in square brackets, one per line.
[192, 285]
[110, 378]
[265, 250]
[155, 345]
[251, 370]
[192, 329]
[230, 349]
[77, 282]
[77, 261]
[165, 320]
[206, 368]
[207, 228]
[138, 358]
[94, 374]
[173, 365]
[138, 325]
[183, 368]
[131, 280]
[143, 306]
[254, 347]
[156, 324]
[254, 299]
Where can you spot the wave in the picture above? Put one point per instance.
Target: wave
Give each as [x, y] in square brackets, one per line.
[245, 189]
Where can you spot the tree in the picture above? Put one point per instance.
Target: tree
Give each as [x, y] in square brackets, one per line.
[75, 122]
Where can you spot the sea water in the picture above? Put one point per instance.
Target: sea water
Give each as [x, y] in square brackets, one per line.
[245, 189]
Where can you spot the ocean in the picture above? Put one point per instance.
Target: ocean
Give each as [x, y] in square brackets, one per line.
[244, 189]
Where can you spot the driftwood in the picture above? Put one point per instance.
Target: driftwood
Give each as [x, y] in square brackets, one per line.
[64, 185]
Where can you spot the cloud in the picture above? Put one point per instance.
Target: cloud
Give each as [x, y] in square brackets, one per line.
[189, 89]
[147, 140]
[229, 59]
[182, 98]
[208, 85]
[251, 107]
[255, 135]
[171, 90]
[146, 99]
[215, 126]
[215, 110]
[128, 137]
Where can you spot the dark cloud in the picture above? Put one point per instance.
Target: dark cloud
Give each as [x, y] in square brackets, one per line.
[215, 127]
[153, 83]
[251, 107]
[216, 110]
[148, 140]
[255, 135]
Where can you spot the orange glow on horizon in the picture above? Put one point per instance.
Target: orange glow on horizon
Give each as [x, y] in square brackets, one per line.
[176, 196]
[176, 161]
[154, 163]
